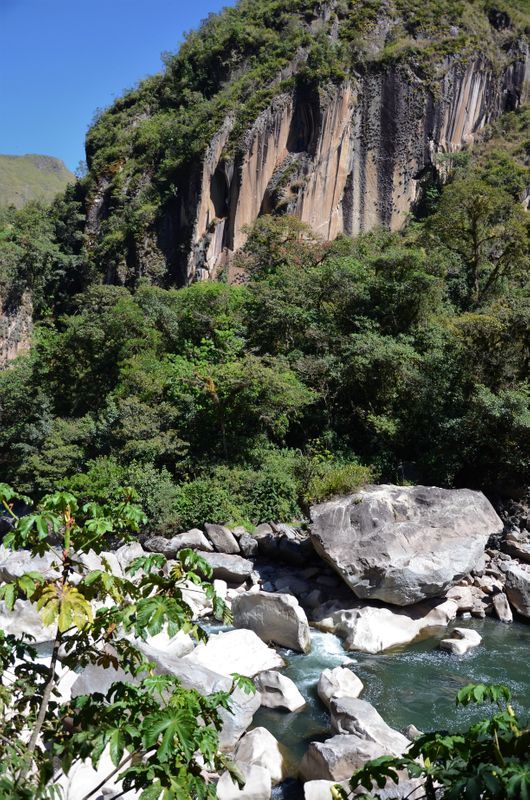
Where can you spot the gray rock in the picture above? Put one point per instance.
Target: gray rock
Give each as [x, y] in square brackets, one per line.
[222, 539]
[127, 553]
[159, 544]
[401, 544]
[338, 682]
[248, 545]
[296, 552]
[233, 569]
[462, 640]
[194, 539]
[278, 691]
[257, 785]
[15, 563]
[502, 607]
[240, 651]
[518, 545]
[337, 757]
[274, 617]
[517, 588]
[259, 748]
[350, 715]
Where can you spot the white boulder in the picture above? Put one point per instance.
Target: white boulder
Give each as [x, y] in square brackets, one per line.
[462, 640]
[338, 682]
[274, 617]
[238, 651]
[278, 691]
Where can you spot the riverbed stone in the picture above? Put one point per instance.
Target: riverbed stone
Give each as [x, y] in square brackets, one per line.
[337, 757]
[402, 544]
[15, 563]
[517, 588]
[338, 682]
[240, 651]
[257, 785]
[248, 545]
[502, 607]
[372, 630]
[222, 539]
[350, 715]
[260, 748]
[278, 691]
[275, 617]
[231, 568]
[24, 620]
[461, 641]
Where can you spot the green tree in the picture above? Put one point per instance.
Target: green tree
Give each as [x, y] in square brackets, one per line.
[160, 736]
[489, 761]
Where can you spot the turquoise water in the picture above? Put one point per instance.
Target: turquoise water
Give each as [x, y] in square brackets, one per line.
[414, 684]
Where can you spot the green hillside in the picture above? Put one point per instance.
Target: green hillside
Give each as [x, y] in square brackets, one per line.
[31, 177]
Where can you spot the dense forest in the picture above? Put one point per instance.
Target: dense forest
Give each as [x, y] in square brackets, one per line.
[389, 357]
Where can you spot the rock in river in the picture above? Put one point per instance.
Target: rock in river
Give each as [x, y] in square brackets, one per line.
[402, 544]
[275, 617]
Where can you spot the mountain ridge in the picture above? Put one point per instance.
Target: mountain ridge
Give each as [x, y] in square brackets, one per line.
[31, 177]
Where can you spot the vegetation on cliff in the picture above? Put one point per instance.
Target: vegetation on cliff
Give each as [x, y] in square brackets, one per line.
[407, 353]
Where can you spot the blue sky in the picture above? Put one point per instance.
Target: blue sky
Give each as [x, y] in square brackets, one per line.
[62, 59]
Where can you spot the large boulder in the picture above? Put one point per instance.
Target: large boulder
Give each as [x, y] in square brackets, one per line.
[24, 620]
[238, 651]
[517, 588]
[338, 757]
[502, 607]
[275, 618]
[372, 630]
[233, 569]
[278, 691]
[259, 748]
[222, 539]
[349, 715]
[402, 544]
[15, 563]
[338, 682]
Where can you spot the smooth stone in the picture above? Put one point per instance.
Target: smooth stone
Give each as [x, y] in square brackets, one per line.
[274, 618]
[259, 748]
[193, 539]
[127, 553]
[231, 568]
[278, 691]
[372, 630]
[15, 563]
[240, 651]
[222, 539]
[337, 758]
[350, 715]
[338, 682]
[248, 545]
[24, 620]
[463, 639]
[403, 544]
[257, 785]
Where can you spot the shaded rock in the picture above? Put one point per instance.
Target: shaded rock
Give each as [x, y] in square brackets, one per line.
[502, 607]
[231, 568]
[257, 785]
[463, 639]
[93, 679]
[259, 748]
[127, 553]
[295, 551]
[159, 544]
[235, 721]
[274, 617]
[350, 715]
[401, 544]
[517, 588]
[278, 691]
[412, 732]
[338, 682]
[222, 539]
[517, 544]
[372, 630]
[240, 651]
[248, 545]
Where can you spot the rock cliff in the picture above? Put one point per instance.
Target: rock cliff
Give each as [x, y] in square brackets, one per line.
[348, 159]
[336, 112]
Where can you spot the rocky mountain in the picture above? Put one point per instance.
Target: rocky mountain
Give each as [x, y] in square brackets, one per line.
[338, 112]
[31, 177]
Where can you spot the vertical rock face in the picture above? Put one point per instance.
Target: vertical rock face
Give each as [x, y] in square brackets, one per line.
[347, 159]
[15, 330]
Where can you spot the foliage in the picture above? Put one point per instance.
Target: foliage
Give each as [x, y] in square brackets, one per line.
[160, 737]
[489, 761]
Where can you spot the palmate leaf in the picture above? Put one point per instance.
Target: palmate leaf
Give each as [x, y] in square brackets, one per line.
[66, 606]
[169, 729]
[155, 612]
